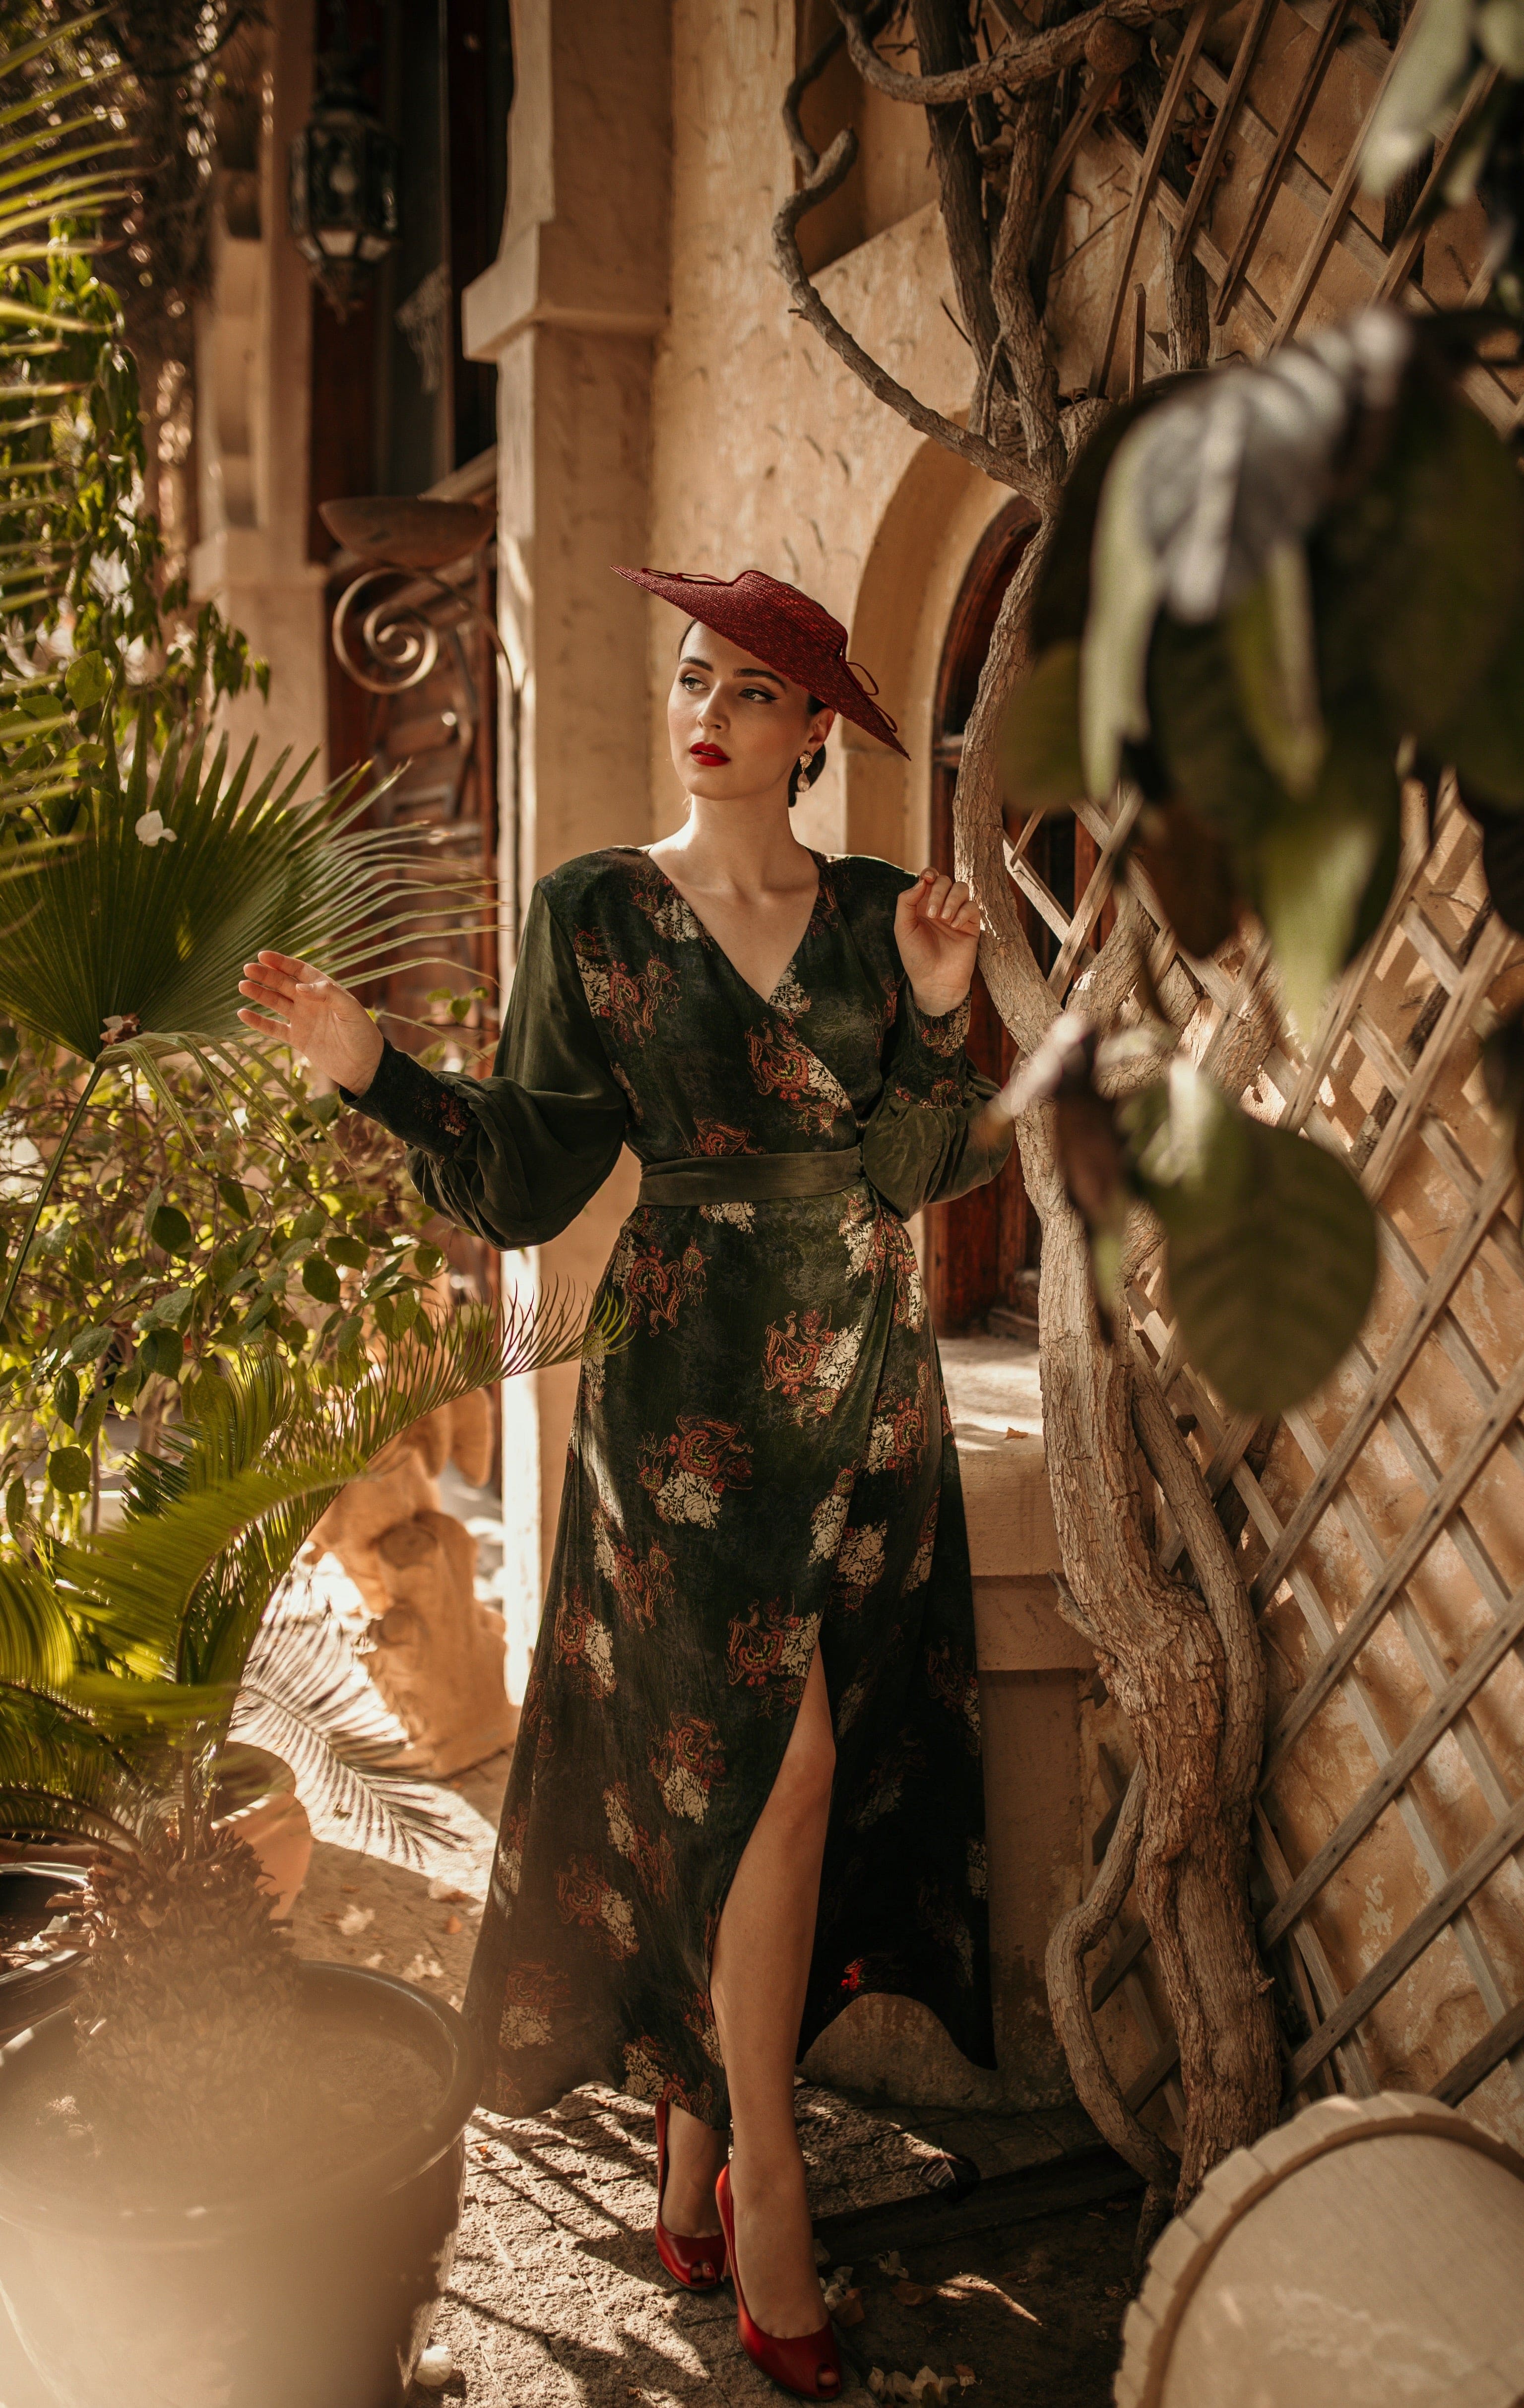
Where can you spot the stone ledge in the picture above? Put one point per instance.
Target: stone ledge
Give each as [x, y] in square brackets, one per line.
[1019, 1627]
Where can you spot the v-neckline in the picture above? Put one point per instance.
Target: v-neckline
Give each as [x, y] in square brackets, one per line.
[766, 1001]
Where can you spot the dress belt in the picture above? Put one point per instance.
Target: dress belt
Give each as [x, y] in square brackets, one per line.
[750, 1178]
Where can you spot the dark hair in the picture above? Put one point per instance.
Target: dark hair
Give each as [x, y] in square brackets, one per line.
[804, 773]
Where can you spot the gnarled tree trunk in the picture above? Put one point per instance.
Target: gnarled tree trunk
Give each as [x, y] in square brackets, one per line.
[1185, 1668]
[1181, 1658]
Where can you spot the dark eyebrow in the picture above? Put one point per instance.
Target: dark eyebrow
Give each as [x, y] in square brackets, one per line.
[700, 663]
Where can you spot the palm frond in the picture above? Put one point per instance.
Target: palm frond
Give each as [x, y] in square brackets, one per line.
[179, 1591]
[59, 1774]
[37, 1639]
[151, 935]
[308, 1701]
[138, 1585]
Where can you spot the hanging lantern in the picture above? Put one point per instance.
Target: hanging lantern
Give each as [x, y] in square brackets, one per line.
[343, 192]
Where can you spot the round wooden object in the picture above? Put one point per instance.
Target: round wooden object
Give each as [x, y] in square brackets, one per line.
[1370, 2251]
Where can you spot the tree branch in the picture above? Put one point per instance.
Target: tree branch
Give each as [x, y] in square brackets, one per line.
[800, 143]
[941, 39]
[831, 172]
[1019, 63]
[1073, 1935]
[1036, 375]
[1226, 1599]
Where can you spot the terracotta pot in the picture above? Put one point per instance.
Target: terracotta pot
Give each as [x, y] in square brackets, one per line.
[316, 2296]
[261, 1805]
[277, 1828]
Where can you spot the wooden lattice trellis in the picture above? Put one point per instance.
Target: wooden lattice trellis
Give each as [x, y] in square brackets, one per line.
[1382, 1526]
[1367, 1090]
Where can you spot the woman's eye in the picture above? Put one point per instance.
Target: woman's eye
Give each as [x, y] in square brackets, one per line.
[691, 684]
[757, 694]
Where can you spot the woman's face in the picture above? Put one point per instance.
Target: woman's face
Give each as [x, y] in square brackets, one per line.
[736, 727]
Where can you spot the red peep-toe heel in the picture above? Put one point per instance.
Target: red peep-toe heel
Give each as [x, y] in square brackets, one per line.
[696, 2262]
[807, 2364]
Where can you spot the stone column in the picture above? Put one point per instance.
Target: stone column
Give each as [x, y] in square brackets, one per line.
[254, 399]
[570, 312]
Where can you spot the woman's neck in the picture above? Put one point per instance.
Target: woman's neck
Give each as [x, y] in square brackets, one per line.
[737, 849]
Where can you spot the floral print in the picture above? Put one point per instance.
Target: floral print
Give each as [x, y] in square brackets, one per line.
[686, 1473]
[761, 1471]
[771, 1651]
[587, 1899]
[653, 1282]
[686, 1761]
[783, 1066]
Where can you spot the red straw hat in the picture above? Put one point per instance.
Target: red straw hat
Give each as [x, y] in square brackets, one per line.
[784, 628]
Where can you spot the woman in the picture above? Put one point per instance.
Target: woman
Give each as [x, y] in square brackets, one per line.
[747, 1780]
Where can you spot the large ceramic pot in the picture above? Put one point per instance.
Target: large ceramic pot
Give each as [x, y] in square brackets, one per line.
[28, 1894]
[314, 2298]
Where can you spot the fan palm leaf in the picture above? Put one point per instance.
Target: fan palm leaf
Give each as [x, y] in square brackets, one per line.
[306, 1698]
[126, 935]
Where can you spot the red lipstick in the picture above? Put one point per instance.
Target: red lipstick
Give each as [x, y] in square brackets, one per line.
[708, 756]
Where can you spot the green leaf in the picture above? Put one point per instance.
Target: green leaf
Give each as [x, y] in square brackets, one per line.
[1062, 603]
[89, 1344]
[1272, 1259]
[1423, 87]
[66, 1396]
[1500, 32]
[1503, 860]
[1210, 760]
[1418, 572]
[171, 1311]
[69, 1471]
[427, 1261]
[321, 1280]
[1271, 646]
[170, 1229]
[1039, 744]
[163, 1350]
[1125, 586]
[1316, 864]
[16, 1506]
[1191, 871]
[1485, 742]
[309, 1224]
[352, 1251]
[88, 681]
[235, 1197]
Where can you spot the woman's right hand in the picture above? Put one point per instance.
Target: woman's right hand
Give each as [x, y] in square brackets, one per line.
[329, 1027]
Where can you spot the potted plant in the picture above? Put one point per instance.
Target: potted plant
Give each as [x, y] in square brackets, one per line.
[219, 2159]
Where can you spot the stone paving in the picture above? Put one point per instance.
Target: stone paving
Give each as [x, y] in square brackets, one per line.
[557, 2298]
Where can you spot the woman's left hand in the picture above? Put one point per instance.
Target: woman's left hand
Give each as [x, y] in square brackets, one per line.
[936, 927]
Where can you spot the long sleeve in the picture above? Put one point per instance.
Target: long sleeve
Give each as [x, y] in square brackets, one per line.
[919, 1145]
[515, 1156]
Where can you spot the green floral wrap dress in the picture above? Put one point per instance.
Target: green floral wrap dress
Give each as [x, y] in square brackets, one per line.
[767, 1463]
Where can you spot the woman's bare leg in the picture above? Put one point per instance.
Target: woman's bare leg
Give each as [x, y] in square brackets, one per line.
[760, 1968]
[765, 1936]
[694, 2154]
